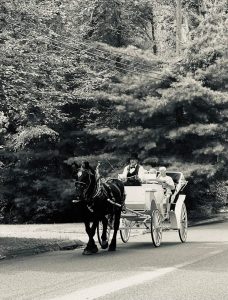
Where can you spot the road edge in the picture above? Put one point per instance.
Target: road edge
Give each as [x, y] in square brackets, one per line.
[75, 244]
[212, 220]
[48, 247]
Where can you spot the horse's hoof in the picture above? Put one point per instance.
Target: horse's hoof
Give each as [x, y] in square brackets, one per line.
[90, 251]
[94, 249]
[104, 245]
[87, 252]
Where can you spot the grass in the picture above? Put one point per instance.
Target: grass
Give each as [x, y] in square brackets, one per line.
[36, 238]
[12, 246]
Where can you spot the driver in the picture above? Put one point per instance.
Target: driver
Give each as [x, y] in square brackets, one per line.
[133, 173]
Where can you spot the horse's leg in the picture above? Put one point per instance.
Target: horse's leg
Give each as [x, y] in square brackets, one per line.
[92, 233]
[112, 246]
[91, 247]
[87, 227]
[104, 239]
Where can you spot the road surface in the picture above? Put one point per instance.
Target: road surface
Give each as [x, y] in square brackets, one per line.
[197, 269]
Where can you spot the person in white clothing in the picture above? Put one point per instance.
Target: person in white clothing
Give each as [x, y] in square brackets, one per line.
[168, 185]
[166, 181]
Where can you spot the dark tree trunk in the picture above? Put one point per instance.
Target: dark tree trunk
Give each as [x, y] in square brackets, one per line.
[117, 21]
[155, 50]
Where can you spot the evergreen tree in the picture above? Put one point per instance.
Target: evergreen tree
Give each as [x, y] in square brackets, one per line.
[181, 120]
[64, 99]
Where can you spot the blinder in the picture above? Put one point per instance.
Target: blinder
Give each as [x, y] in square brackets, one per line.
[83, 183]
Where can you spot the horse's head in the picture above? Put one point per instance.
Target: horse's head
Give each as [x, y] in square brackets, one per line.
[85, 182]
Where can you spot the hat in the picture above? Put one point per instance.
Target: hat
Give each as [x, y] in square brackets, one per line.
[134, 156]
[162, 169]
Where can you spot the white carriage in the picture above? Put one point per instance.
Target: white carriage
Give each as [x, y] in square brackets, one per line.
[148, 208]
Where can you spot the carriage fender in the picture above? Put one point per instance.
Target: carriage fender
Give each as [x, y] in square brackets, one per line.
[175, 216]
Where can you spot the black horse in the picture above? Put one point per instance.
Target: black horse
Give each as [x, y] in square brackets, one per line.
[101, 201]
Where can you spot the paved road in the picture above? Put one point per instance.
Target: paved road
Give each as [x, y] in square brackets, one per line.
[197, 269]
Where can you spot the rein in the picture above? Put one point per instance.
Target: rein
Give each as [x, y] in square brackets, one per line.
[85, 192]
[99, 189]
[80, 182]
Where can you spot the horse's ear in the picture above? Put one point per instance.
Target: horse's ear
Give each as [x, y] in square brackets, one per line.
[75, 165]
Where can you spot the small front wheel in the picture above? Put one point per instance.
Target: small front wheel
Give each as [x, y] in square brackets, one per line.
[156, 227]
[125, 232]
[183, 224]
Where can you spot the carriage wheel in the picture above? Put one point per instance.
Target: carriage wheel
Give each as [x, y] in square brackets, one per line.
[100, 230]
[183, 224]
[156, 227]
[126, 231]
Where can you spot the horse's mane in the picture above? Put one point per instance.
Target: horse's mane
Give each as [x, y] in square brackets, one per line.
[86, 165]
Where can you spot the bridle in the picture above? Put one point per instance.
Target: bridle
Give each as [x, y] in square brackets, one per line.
[85, 190]
[98, 190]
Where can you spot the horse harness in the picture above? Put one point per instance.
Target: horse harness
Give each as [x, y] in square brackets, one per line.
[101, 188]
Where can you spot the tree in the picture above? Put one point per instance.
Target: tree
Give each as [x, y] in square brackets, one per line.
[178, 26]
[180, 120]
[64, 99]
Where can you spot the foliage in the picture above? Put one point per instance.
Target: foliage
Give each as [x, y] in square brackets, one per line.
[80, 80]
[181, 118]
[32, 136]
[114, 22]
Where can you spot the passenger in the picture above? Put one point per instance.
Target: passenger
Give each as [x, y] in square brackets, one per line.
[168, 185]
[133, 173]
[166, 181]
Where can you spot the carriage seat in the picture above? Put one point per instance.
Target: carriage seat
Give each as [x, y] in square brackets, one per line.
[175, 176]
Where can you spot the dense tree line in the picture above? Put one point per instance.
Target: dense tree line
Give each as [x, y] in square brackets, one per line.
[91, 79]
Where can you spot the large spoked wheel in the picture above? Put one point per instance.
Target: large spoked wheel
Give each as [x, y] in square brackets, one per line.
[183, 224]
[125, 232]
[100, 231]
[156, 227]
